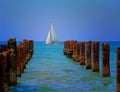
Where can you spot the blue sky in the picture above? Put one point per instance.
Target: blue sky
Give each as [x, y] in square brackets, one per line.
[72, 19]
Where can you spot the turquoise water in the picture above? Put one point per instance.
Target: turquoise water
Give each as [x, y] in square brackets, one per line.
[50, 71]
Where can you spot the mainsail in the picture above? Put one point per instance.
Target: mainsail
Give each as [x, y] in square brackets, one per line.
[52, 37]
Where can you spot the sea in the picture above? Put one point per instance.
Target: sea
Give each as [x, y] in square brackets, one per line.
[49, 70]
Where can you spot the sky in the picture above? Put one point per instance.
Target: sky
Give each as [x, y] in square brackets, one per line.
[80, 20]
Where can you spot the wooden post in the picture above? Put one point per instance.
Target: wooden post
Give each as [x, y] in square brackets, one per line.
[71, 48]
[105, 60]
[82, 53]
[18, 62]
[13, 61]
[31, 47]
[65, 47]
[76, 52]
[24, 53]
[22, 58]
[1, 74]
[88, 55]
[4, 71]
[95, 57]
[118, 71]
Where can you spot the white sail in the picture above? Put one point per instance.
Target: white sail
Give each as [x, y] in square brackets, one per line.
[52, 37]
[53, 33]
[49, 38]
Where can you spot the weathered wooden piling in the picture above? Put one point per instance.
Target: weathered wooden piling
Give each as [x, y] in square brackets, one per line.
[27, 51]
[25, 45]
[4, 71]
[105, 60]
[88, 55]
[18, 61]
[13, 61]
[71, 47]
[95, 57]
[65, 47]
[118, 71]
[22, 58]
[1, 73]
[31, 47]
[68, 48]
[82, 53]
[76, 50]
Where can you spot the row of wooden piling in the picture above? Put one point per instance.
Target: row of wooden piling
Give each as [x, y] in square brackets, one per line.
[87, 53]
[13, 60]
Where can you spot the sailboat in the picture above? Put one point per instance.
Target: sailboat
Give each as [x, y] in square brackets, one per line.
[52, 37]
